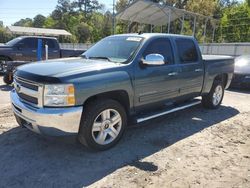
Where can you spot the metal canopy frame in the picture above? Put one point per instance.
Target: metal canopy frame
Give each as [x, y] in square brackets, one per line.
[156, 14]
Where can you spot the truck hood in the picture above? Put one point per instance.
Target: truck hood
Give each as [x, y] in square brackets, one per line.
[55, 70]
[3, 46]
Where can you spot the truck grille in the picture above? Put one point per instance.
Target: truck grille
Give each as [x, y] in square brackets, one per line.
[28, 91]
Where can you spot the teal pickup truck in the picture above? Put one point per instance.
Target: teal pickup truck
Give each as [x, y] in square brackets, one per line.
[121, 80]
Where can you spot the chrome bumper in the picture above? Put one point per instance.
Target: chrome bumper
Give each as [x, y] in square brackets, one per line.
[47, 121]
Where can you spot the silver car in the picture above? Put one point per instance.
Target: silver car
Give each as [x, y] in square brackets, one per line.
[241, 76]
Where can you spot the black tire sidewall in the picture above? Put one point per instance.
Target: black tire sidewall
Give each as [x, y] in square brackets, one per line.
[208, 100]
[6, 78]
[88, 117]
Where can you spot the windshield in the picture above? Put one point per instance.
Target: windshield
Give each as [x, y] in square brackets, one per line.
[13, 41]
[116, 49]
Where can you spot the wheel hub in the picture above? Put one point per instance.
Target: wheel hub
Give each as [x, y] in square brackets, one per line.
[106, 124]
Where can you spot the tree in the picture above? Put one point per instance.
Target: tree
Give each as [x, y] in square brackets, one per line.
[87, 6]
[4, 35]
[83, 32]
[38, 21]
[235, 24]
[27, 22]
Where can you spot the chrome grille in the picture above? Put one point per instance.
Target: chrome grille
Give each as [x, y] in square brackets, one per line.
[28, 91]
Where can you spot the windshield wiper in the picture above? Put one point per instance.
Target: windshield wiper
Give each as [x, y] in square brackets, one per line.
[99, 57]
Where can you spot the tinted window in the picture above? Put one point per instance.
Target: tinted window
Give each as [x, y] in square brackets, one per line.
[160, 46]
[187, 50]
[28, 43]
[49, 42]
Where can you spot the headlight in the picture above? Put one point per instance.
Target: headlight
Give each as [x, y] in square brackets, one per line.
[59, 95]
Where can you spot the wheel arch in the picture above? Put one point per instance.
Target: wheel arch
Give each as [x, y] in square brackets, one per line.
[120, 96]
[222, 78]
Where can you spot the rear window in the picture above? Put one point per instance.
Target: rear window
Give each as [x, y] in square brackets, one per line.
[187, 50]
[49, 42]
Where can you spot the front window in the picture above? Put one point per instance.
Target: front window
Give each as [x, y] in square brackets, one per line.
[116, 49]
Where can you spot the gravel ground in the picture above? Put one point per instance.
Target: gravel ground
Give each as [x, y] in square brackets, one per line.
[191, 148]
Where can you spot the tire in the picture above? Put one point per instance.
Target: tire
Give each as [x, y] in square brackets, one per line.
[19, 121]
[106, 133]
[214, 98]
[8, 78]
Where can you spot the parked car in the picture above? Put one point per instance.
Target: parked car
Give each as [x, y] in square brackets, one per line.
[123, 78]
[24, 49]
[241, 76]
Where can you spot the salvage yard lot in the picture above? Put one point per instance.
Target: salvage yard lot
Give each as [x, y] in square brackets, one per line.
[191, 148]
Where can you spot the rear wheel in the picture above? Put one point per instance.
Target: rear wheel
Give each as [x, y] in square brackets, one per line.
[214, 98]
[102, 125]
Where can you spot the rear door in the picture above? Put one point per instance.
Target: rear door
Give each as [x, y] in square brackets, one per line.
[53, 48]
[156, 84]
[191, 68]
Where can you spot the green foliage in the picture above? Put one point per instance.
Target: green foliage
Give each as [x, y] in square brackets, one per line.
[235, 24]
[27, 22]
[38, 21]
[4, 35]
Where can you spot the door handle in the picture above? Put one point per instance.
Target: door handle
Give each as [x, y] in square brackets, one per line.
[55, 51]
[33, 50]
[198, 70]
[172, 73]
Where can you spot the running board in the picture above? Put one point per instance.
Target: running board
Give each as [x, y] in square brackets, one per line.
[169, 110]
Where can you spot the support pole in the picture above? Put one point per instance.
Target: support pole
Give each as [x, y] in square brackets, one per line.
[129, 26]
[205, 30]
[46, 52]
[113, 20]
[169, 20]
[194, 26]
[39, 49]
[213, 34]
[182, 22]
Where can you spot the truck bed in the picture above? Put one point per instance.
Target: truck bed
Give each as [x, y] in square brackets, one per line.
[216, 57]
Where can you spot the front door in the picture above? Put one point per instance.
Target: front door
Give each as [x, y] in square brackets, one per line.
[156, 84]
[26, 50]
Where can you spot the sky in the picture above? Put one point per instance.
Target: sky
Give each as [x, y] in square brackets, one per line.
[14, 10]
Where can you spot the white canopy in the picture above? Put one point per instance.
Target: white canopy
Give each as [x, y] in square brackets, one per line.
[148, 12]
[37, 31]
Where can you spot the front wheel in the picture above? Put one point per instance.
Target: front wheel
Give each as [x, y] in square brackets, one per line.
[8, 78]
[102, 124]
[214, 98]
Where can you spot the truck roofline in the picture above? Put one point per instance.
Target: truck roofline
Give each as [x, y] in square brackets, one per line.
[149, 35]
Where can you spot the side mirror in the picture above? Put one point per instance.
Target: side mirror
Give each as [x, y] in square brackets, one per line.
[154, 60]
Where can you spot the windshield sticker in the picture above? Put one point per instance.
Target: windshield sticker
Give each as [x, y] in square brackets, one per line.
[136, 39]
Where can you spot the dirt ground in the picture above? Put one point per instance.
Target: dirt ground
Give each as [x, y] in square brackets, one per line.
[191, 148]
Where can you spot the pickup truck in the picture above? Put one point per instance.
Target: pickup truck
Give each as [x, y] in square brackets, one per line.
[121, 80]
[25, 49]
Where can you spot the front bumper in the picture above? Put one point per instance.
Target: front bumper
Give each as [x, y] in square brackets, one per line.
[240, 80]
[47, 121]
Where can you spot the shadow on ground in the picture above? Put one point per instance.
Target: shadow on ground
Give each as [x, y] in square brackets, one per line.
[29, 160]
[6, 88]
